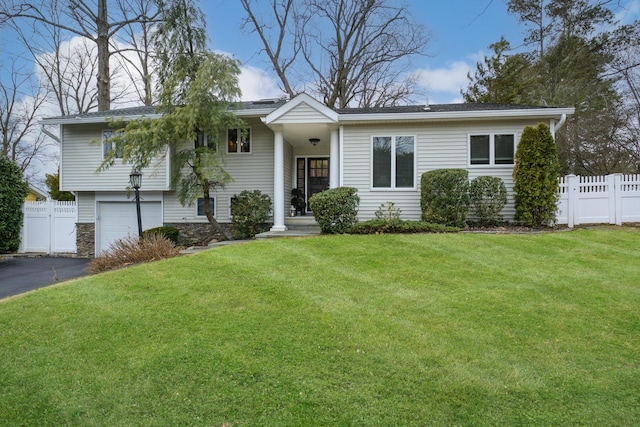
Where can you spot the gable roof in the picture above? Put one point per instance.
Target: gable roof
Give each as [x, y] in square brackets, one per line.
[326, 113]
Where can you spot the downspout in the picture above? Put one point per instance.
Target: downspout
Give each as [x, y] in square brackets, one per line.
[49, 134]
[563, 119]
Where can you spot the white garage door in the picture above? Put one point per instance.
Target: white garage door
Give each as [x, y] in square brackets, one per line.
[118, 219]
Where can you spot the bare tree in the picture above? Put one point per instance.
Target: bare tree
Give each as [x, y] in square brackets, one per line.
[354, 52]
[284, 46]
[136, 50]
[91, 19]
[22, 142]
[66, 68]
[626, 65]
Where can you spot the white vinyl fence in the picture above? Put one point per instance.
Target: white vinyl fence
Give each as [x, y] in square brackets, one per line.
[49, 227]
[610, 199]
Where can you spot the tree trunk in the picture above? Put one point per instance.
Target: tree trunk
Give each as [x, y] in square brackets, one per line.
[103, 77]
[207, 211]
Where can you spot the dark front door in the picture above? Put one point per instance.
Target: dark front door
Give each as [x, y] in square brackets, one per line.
[317, 176]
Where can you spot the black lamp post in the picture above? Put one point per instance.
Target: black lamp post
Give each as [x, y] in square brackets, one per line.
[135, 178]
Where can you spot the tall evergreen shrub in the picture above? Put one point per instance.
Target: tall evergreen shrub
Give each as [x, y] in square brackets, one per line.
[445, 196]
[536, 177]
[13, 190]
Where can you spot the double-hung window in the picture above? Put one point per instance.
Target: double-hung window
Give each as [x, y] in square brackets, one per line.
[239, 140]
[203, 140]
[200, 206]
[393, 164]
[491, 149]
[108, 145]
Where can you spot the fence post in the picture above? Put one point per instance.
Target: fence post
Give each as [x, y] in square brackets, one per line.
[617, 194]
[572, 199]
[52, 225]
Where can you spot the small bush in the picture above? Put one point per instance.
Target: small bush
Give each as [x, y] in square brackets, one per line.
[335, 210]
[131, 250]
[398, 226]
[488, 195]
[388, 211]
[445, 196]
[249, 213]
[169, 232]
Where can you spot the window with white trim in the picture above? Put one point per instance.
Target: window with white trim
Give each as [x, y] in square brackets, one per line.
[239, 140]
[203, 140]
[491, 149]
[108, 145]
[393, 161]
[200, 206]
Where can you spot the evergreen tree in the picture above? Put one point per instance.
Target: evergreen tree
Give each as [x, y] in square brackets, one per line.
[53, 182]
[502, 78]
[568, 65]
[536, 177]
[13, 190]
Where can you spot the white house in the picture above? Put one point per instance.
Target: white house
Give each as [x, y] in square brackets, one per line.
[298, 143]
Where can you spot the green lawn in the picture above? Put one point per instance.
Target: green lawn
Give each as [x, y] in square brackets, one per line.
[388, 330]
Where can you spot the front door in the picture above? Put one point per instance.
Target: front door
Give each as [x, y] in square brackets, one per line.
[317, 176]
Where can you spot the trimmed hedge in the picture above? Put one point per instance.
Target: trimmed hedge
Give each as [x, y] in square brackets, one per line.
[488, 196]
[445, 196]
[335, 210]
[13, 190]
[167, 231]
[249, 213]
[398, 226]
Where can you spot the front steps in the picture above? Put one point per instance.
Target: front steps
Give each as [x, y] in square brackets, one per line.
[297, 226]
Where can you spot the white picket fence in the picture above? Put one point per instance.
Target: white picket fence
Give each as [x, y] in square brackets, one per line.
[610, 199]
[49, 227]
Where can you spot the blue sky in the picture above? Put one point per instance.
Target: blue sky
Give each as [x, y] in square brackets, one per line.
[461, 32]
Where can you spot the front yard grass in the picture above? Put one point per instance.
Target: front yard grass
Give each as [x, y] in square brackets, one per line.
[455, 329]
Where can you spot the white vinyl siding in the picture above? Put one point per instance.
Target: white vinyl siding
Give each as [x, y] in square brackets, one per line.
[250, 171]
[303, 113]
[438, 146]
[86, 207]
[81, 156]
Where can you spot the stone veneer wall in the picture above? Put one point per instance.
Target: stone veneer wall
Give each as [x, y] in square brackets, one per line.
[86, 239]
[195, 233]
[190, 234]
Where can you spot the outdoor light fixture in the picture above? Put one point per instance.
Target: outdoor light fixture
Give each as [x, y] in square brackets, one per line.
[135, 178]
[314, 141]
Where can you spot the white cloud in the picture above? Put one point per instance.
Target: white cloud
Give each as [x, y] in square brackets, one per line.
[443, 84]
[255, 84]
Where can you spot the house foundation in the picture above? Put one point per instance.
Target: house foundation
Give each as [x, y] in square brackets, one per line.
[86, 239]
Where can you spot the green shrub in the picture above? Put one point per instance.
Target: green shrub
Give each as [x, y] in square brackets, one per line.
[397, 226]
[249, 213]
[131, 250]
[488, 195]
[169, 232]
[13, 190]
[388, 211]
[445, 196]
[335, 210]
[536, 177]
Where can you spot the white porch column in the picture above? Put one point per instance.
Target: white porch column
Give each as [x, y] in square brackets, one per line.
[334, 160]
[278, 182]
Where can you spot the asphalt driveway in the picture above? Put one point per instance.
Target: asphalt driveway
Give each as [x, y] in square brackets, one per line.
[19, 275]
